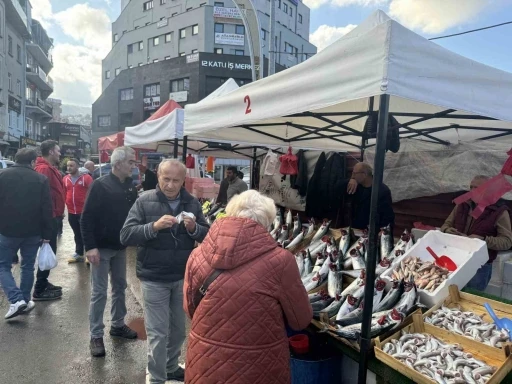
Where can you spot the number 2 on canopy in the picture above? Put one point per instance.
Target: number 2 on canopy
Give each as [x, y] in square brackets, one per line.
[247, 100]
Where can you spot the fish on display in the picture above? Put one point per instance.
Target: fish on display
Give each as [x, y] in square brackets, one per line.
[315, 282]
[409, 299]
[320, 260]
[378, 327]
[333, 308]
[299, 259]
[283, 236]
[334, 281]
[358, 243]
[386, 242]
[391, 298]
[440, 362]
[345, 241]
[319, 295]
[322, 303]
[354, 317]
[427, 275]
[357, 258]
[319, 246]
[308, 265]
[311, 227]
[382, 267]
[378, 292]
[297, 227]
[297, 239]
[289, 218]
[275, 233]
[352, 302]
[278, 221]
[354, 286]
[321, 231]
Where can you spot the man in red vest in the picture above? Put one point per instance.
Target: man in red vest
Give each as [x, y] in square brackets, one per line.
[493, 226]
[76, 186]
[47, 165]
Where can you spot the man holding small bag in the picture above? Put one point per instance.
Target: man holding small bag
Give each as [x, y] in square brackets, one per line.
[164, 224]
[26, 206]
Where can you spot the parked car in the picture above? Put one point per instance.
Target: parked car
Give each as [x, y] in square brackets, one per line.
[6, 164]
[107, 168]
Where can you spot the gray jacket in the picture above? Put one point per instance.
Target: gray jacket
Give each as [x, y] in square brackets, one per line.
[162, 256]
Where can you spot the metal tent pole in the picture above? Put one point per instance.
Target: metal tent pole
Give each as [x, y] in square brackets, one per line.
[175, 148]
[378, 170]
[272, 40]
[184, 157]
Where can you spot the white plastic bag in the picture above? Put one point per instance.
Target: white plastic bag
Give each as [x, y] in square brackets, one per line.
[270, 163]
[46, 259]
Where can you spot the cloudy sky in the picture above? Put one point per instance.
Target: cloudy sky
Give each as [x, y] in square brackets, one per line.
[81, 31]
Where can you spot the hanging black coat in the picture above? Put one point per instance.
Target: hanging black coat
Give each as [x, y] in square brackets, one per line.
[331, 186]
[300, 181]
[313, 197]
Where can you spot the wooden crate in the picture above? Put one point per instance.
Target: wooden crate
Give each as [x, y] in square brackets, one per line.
[321, 325]
[489, 355]
[475, 304]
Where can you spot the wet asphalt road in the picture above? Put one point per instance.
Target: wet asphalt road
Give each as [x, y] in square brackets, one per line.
[51, 344]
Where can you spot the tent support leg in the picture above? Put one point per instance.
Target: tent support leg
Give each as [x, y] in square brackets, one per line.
[184, 157]
[253, 167]
[175, 148]
[378, 170]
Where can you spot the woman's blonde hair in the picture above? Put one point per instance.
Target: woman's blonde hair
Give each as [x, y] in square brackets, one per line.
[252, 205]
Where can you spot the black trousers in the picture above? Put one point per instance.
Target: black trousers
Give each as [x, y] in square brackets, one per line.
[42, 276]
[74, 222]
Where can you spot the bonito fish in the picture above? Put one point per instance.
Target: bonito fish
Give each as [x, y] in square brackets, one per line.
[289, 219]
[384, 324]
[308, 264]
[311, 227]
[334, 281]
[278, 221]
[345, 241]
[352, 302]
[321, 231]
[297, 227]
[299, 259]
[357, 258]
[283, 236]
[391, 298]
[297, 240]
[386, 242]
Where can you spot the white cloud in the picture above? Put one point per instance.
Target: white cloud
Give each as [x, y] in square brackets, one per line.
[313, 4]
[435, 16]
[326, 35]
[77, 66]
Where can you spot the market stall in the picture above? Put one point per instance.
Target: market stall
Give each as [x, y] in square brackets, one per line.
[424, 92]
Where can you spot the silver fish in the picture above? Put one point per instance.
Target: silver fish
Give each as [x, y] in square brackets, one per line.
[318, 246]
[275, 233]
[391, 298]
[311, 227]
[283, 236]
[352, 302]
[334, 281]
[297, 239]
[315, 282]
[386, 242]
[299, 259]
[378, 292]
[345, 241]
[321, 304]
[409, 298]
[354, 317]
[297, 227]
[333, 308]
[319, 295]
[382, 267]
[308, 263]
[357, 259]
[289, 219]
[321, 231]
[378, 327]
[355, 284]
[278, 221]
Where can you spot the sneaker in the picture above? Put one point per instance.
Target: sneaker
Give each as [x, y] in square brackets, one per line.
[97, 347]
[51, 287]
[30, 306]
[47, 295]
[76, 259]
[125, 332]
[16, 309]
[178, 375]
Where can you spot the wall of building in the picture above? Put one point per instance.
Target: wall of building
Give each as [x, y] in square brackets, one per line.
[14, 67]
[3, 74]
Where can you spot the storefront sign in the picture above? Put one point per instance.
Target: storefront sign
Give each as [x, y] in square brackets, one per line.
[70, 151]
[70, 130]
[67, 141]
[229, 39]
[151, 103]
[227, 65]
[14, 104]
[226, 13]
[178, 96]
[27, 142]
[193, 58]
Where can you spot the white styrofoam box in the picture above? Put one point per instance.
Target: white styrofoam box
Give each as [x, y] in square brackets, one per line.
[507, 272]
[418, 233]
[468, 254]
[498, 268]
[494, 289]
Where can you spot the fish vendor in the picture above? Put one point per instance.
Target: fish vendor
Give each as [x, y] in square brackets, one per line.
[493, 226]
[359, 189]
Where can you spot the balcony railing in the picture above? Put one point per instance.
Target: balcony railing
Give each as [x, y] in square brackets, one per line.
[34, 69]
[41, 104]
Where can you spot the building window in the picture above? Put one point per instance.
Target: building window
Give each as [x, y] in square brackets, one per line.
[219, 28]
[126, 94]
[263, 34]
[182, 54]
[239, 30]
[155, 61]
[28, 126]
[104, 121]
[107, 74]
[130, 49]
[239, 52]
[18, 87]
[141, 45]
[180, 85]
[194, 51]
[13, 119]
[9, 78]
[117, 71]
[279, 4]
[202, 4]
[9, 48]
[218, 4]
[156, 41]
[300, 18]
[168, 38]
[18, 53]
[147, 5]
[152, 90]
[167, 57]
[291, 11]
[218, 51]
[125, 119]
[130, 66]
[162, 2]
[116, 38]
[285, 7]
[195, 29]
[141, 64]
[189, 9]
[174, 14]
[183, 33]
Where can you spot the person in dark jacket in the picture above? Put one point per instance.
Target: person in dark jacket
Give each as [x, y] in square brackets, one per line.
[24, 195]
[163, 247]
[107, 204]
[359, 187]
[47, 165]
[222, 197]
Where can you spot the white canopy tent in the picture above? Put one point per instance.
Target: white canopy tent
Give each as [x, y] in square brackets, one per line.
[323, 103]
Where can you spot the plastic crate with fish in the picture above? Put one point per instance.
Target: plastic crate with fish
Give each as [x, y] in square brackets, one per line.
[468, 254]
[465, 314]
[427, 354]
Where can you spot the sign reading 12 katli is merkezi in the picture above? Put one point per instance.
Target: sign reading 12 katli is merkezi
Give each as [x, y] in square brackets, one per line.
[227, 65]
